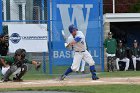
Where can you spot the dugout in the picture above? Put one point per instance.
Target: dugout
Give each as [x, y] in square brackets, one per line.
[124, 26]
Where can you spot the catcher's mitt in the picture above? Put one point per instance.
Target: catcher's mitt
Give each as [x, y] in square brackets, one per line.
[38, 65]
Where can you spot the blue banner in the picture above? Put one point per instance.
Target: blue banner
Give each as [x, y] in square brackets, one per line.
[86, 15]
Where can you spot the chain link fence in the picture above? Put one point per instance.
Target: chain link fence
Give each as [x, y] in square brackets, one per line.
[27, 12]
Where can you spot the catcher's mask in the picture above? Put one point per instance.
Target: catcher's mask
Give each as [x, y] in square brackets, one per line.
[20, 52]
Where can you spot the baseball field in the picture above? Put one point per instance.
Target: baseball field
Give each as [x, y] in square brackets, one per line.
[116, 82]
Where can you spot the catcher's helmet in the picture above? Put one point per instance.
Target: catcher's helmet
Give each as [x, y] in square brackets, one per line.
[21, 52]
[18, 52]
[72, 27]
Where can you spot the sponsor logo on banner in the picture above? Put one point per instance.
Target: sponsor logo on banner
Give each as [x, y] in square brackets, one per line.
[31, 37]
[15, 38]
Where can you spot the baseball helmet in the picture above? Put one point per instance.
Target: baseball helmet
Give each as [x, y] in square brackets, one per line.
[21, 52]
[135, 41]
[120, 41]
[72, 27]
[18, 52]
[109, 33]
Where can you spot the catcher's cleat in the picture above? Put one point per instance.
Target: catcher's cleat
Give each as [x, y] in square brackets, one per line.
[4, 80]
[83, 72]
[77, 72]
[62, 77]
[9, 79]
[94, 77]
[17, 80]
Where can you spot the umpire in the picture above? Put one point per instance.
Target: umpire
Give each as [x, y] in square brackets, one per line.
[110, 45]
[121, 55]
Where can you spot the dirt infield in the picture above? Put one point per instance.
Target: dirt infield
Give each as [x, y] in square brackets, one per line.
[70, 82]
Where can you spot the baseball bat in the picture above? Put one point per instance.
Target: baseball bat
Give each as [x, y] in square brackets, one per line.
[64, 37]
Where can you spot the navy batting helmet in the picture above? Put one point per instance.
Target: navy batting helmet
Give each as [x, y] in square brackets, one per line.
[72, 27]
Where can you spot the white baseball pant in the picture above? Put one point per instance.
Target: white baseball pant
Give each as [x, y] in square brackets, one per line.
[123, 60]
[4, 70]
[78, 56]
[135, 61]
[82, 66]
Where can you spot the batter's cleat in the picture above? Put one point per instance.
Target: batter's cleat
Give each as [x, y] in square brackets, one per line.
[94, 77]
[62, 77]
[83, 72]
[77, 72]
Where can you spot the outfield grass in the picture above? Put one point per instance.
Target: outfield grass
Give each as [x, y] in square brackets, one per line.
[86, 89]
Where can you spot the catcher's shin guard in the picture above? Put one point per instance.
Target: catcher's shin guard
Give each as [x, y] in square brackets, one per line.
[9, 72]
[23, 71]
[93, 72]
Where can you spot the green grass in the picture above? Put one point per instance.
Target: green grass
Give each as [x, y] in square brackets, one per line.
[120, 74]
[34, 75]
[29, 76]
[86, 89]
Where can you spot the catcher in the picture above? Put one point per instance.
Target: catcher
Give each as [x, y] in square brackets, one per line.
[18, 65]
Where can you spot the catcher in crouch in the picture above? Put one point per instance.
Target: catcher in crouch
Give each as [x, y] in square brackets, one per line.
[17, 65]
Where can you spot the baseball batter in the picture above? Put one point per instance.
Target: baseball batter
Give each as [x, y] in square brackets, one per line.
[77, 41]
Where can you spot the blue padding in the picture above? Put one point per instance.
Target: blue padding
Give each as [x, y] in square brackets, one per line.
[77, 39]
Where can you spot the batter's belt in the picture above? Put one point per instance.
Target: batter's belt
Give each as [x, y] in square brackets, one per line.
[79, 51]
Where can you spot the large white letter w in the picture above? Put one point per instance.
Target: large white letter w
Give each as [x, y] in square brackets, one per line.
[77, 15]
